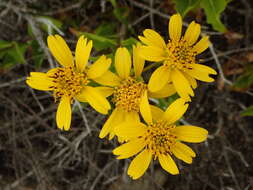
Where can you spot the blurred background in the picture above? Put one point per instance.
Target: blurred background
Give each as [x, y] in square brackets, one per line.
[35, 155]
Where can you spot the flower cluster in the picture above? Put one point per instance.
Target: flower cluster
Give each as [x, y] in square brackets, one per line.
[142, 128]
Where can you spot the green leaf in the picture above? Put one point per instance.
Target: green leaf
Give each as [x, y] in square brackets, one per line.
[17, 52]
[113, 2]
[213, 10]
[5, 44]
[248, 111]
[128, 43]
[100, 42]
[121, 13]
[184, 6]
[106, 29]
[244, 81]
[38, 55]
[8, 62]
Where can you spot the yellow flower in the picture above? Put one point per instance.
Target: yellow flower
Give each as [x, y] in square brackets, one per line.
[178, 56]
[130, 93]
[72, 80]
[158, 138]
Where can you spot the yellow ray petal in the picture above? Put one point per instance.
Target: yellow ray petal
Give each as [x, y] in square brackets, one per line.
[95, 99]
[97, 69]
[40, 81]
[191, 80]
[154, 39]
[181, 155]
[120, 117]
[201, 72]
[105, 91]
[63, 114]
[152, 53]
[168, 164]
[81, 97]
[38, 75]
[145, 108]
[123, 62]
[82, 53]
[175, 111]
[130, 130]
[184, 148]
[130, 148]
[139, 164]
[181, 84]
[191, 133]
[51, 72]
[192, 33]
[114, 119]
[112, 134]
[138, 61]
[157, 113]
[145, 41]
[166, 91]
[202, 45]
[120, 140]
[158, 79]
[60, 50]
[131, 116]
[175, 27]
[108, 78]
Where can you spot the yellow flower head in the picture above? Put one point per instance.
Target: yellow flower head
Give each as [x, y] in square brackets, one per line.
[72, 80]
[179, 67]
[158, 138]
[129, 92]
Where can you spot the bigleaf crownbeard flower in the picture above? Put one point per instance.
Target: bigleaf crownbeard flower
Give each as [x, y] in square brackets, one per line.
[130, 93]
[178, 56]
[159, 138]
[72, 80]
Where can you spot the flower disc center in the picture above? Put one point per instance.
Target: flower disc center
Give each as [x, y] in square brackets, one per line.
[128, 95]
[68, 82]
[160, 138]
[180, 55]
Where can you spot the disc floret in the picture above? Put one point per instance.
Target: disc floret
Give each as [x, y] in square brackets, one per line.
[128, 94]
[179, 55]
[160, 138]
[68, 82]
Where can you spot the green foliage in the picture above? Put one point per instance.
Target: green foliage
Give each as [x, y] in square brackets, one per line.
[12, 53]
[244, 81]
[17, 52]
[37, 54]
[128, 43]
[100, 42]
[120, 13]
[5, 44]
[212, 8]
[106, 29]
[248, 111]
[184, 6]
[104, 36]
